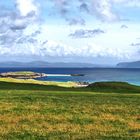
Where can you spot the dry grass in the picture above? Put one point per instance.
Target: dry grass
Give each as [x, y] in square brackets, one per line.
[46, 115]
[32, 81]
[31, 113]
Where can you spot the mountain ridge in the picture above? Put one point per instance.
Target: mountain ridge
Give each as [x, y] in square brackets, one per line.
[47, 64]
[134, 64]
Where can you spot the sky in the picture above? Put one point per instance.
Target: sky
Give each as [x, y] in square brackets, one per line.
[85, 31]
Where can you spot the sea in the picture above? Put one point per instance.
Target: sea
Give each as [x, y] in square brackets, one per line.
[130, 75]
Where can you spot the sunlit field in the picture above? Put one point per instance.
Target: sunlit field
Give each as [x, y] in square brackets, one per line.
[38, 112]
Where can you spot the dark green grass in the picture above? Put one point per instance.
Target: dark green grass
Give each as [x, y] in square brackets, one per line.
[35, 112]
[104, 87]
[118, 87]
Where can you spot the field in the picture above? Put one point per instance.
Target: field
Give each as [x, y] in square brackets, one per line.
[105, 111]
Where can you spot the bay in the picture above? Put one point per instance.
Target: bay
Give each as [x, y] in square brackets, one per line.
[90, 74]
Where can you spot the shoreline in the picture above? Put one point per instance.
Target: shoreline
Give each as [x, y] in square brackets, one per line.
[47, 83]
[59, 75]
[33, 75]
[68, 84]
[30, 76]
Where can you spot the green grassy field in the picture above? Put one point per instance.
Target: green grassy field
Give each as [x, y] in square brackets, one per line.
[22, 72]
[105, 111]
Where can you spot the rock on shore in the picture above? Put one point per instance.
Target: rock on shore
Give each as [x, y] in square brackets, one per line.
[22, 75]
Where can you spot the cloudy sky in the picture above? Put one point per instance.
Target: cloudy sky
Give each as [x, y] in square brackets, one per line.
[93, 31]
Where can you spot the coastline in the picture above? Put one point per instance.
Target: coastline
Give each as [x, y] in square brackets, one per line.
[91, 76]
[59, 75]
[31, 74]
[53, 83]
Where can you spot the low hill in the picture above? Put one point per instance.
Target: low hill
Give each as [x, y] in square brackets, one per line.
[114, 87]
[48, 65]
[135, 64]
[100, 87]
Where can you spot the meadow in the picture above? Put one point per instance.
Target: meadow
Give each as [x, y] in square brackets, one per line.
[103, 111]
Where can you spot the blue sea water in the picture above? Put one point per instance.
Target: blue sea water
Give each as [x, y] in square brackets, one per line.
[90, 74]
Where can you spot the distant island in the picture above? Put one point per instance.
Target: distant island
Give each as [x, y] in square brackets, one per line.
[135, 64]
[48, 65]
[44, 64]
[31, 75]
[22, 75]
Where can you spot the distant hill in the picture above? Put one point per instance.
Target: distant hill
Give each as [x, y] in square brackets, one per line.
[48, 65]
[135, 64]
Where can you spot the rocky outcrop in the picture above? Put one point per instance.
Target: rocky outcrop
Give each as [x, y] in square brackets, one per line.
[22, 75]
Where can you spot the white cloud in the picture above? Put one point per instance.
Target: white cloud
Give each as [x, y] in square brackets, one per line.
[23, 36]
[26, 7]
[128, 3]
[103, 9]
[58, 49]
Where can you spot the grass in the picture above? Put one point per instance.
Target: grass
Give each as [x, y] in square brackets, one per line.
[118, 87]
[21, 73]
[39, 112]
[32, 81]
